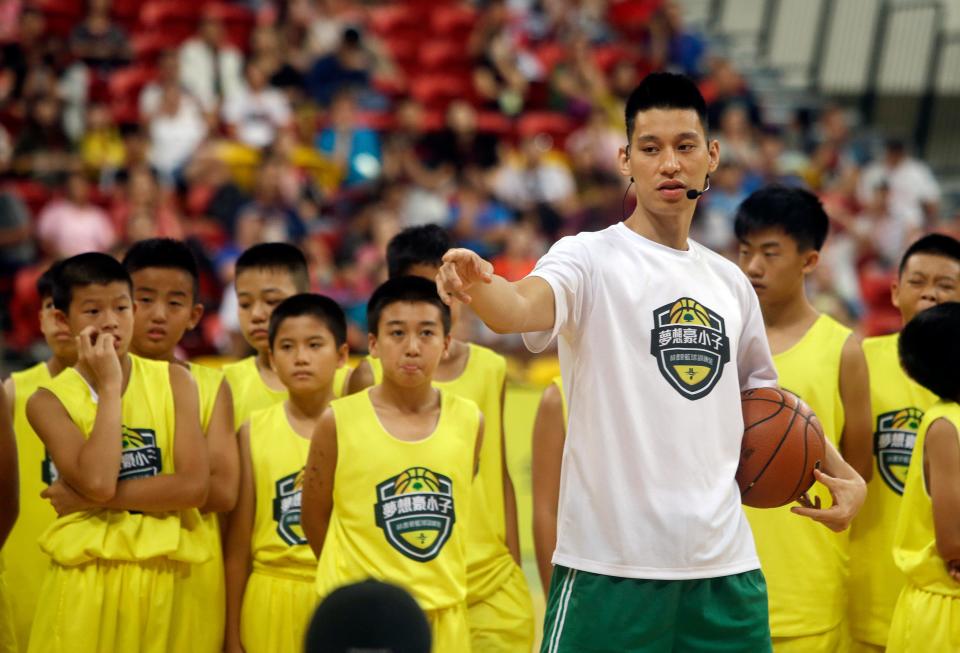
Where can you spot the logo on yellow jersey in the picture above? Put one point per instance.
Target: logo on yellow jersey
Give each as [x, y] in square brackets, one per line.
[415, 511]
[286, 508]
[893, 445]
[691, 346]
[141, 456]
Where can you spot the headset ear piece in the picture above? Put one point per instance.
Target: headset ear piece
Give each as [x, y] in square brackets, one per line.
[631, 180]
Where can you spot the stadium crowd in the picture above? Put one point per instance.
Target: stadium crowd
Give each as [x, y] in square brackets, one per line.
[333, 124]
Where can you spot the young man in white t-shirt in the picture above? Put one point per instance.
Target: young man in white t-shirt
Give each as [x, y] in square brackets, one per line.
[657, 338]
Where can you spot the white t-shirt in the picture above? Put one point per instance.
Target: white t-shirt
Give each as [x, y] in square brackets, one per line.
[911, 185]
[655, 346]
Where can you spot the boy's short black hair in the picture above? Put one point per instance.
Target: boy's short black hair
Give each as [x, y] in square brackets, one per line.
[928, 350]
[405, 289]
[164, 253]
[934, 244]
[86, 270]
[425, 244]
[277, 256]
[319, 306]
[47, 281]
[664, 91]
[796, 211]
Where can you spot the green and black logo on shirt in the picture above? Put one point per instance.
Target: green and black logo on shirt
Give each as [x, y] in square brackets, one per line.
[893, 445]
[691, 346]
[286, 508]
[415, 511]
[141, 457]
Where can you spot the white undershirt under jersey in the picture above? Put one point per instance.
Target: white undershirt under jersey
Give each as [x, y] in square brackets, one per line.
[655, 346]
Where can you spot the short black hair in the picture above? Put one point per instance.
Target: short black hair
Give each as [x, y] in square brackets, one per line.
[319, 306]
[664, 91]
[424, 244]
[796, 211]
[277, 256]
[368, 616]
[90, 268]
[405, 289]
[934, 244]
[47, 281]
[164, 253]
[928, 351]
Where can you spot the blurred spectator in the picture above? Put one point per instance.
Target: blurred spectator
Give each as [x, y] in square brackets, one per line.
[673, 45]
[269, 216]
[460, 147]
[521, 254]
[16, 237]
[479, 222]
[881, 236]
[774, 164]
[101, 148]
[576, 80]
[593, 148]
[713, 226]
[834, 158]
[176, 128]
[497, 79]
[168, 74]
[534, 177]
[73, 224]
[29, 50]
[736, 136]
[914, 193]
[98, 42]
[409, 150]
[351, 65]
[278, 61]
[144, 211]
[256, 113]
[725, 86]
[210, 68]
[42, 149]
[354, 148]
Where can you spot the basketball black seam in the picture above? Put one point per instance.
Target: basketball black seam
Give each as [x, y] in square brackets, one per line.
[803, 470]
[783, 439]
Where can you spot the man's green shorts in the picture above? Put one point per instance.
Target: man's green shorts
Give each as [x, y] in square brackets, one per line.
[590, 613]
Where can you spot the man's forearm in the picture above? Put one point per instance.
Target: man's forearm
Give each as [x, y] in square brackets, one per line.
[507, 307]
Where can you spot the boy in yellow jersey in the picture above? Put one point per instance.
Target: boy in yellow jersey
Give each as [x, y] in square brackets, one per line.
[500, 609]
[929, 274]
[36, 472]
[124, 435]
[781, 231]
[549, 434]
[411, 451]
[926, 544]
[166, 284]
[270, 567]
[266, 274]
[9, 510]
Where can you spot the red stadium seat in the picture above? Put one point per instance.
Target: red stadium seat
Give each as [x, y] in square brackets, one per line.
[171, 17]
[438, 91]
[237, 21]
[557, 125]
[148, 46]
[126, 83]
[492, 122]
[632, 17]
[405, 52]
[60, 15]
[33, 194]
[448, 56]
[397, 19]
[453, 21]
[549, 55]
[127, 13]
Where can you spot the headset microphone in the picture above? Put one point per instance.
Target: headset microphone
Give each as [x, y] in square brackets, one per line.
[693, 193]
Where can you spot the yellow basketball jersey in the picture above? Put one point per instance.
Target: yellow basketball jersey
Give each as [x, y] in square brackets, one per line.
[558, 381]
[208, 384]
[278, 454]
[250, 393]
[148, 436]
[420, 493]
[489, 563]
[804, 562]
[915, 541]
[898, 404]
[36, 514]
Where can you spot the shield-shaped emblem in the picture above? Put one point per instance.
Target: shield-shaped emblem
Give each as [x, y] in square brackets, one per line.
[691, 346]
[893, 445]
[141, 457]
[416, 513]
[287, 497]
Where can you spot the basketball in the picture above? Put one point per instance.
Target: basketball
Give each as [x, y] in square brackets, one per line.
[417, 479]
[782, 444]
[687, 311]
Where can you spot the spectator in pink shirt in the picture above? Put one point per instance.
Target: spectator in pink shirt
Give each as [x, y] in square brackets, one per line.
[73, 225]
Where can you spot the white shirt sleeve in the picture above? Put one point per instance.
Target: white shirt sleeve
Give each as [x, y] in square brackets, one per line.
[754, 361]
[565, 267]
